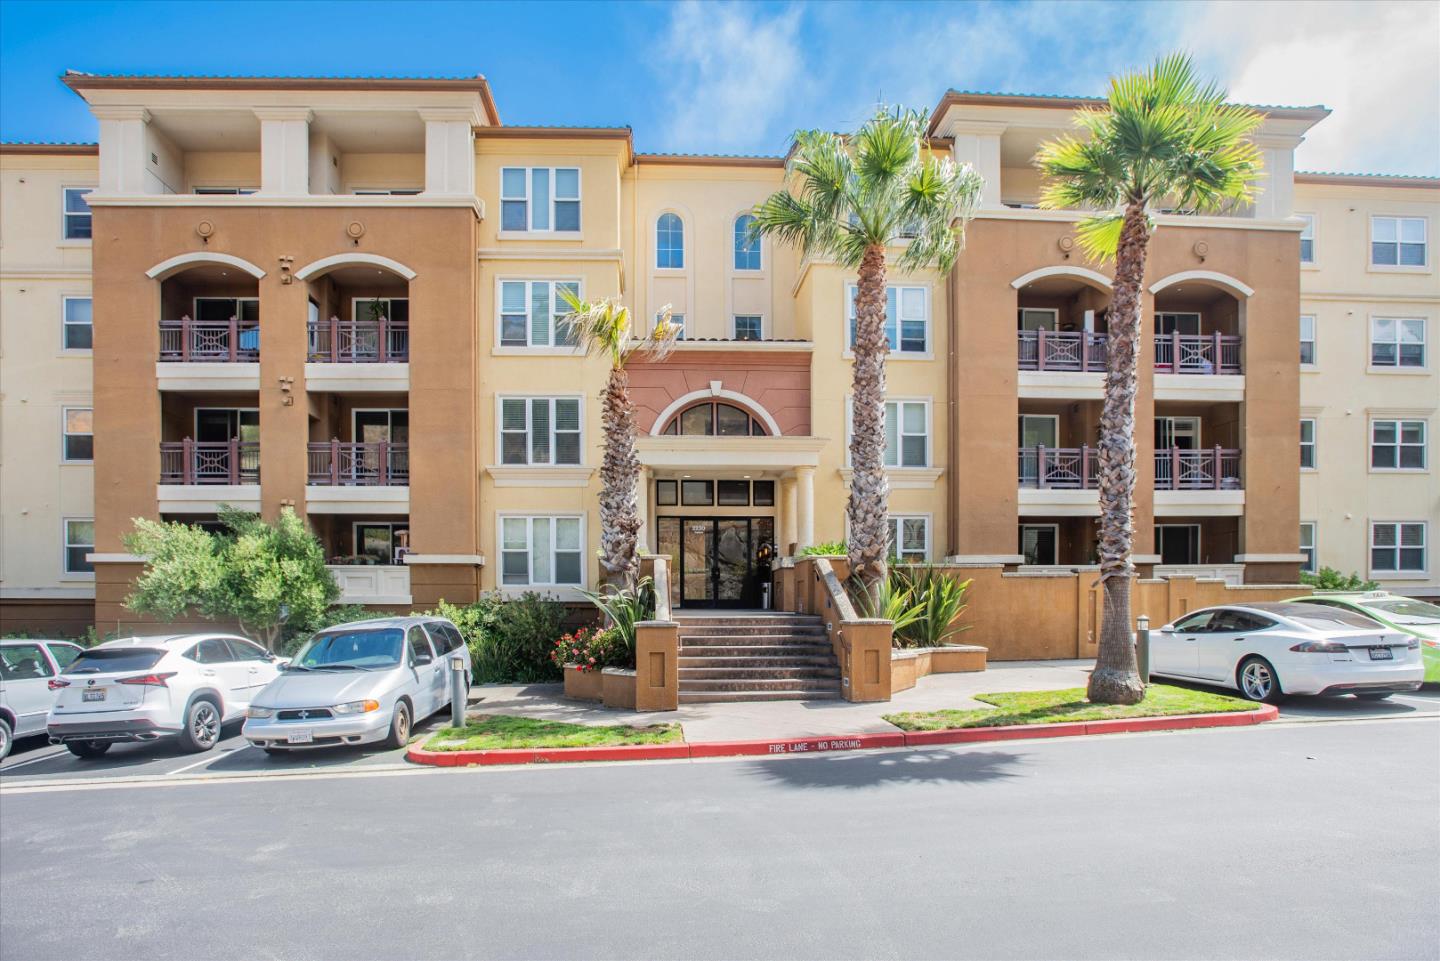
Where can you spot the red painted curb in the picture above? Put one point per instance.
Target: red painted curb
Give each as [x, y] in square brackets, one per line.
[839, 742]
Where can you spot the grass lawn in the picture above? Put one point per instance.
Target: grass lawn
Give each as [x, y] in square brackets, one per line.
[488, 731]
[1050, 707]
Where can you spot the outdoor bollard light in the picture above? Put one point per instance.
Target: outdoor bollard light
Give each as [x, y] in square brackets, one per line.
[457, 691]
[1142, 647]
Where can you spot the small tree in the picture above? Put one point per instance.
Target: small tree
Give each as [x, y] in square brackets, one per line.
[1329, 579]
[603, 328]
[260, 575]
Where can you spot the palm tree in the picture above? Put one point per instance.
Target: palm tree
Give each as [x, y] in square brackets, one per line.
[603, 328]
[852, 198]
[1163, 139]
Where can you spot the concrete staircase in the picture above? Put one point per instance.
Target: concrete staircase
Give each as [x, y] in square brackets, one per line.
[755, 656]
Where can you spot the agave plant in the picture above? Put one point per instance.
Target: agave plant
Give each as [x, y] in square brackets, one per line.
[941, 601]
[894, 601]
[625, 607]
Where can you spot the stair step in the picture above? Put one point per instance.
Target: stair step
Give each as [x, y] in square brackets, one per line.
[779, 630]
[747, 618]
[757, 684]
[753, 638]
[757, 650]
[810, 673]
[732, 697]
[758, 660]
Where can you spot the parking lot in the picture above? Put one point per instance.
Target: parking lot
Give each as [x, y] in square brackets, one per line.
[35, 762]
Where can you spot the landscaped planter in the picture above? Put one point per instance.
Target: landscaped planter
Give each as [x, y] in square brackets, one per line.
[618, 687]
[583, 685]
[908, 665]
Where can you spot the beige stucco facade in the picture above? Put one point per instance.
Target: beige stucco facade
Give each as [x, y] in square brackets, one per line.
[432, 203]
[1344, 392]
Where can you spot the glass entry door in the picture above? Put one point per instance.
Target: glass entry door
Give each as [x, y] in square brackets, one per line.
[716, 558]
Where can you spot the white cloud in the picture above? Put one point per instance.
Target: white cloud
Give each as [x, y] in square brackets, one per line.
[728, 72]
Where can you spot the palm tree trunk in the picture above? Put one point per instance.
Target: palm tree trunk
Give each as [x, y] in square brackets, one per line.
[869, 540]
[1116, 678]
[619, 473]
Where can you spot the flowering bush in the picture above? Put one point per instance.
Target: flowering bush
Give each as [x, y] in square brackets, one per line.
[589, 650]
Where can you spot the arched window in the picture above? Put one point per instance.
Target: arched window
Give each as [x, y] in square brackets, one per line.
[747, 251]
[669, 241]
[714, 419]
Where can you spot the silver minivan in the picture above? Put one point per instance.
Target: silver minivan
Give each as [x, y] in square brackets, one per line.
[358, 683]
[26, 669]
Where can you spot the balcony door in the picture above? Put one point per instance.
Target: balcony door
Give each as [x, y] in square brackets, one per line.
[1038, 318]
[1178, 543]
[375, 427]
[1177, 323]
[217, 425]
[1040, 543]
[1036, 430]
[1182, 433]
[719, 558]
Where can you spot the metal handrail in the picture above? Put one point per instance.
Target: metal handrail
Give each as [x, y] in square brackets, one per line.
[337, 463]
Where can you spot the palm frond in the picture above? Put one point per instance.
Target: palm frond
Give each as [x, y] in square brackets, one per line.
[605, 328]
[1099, 235]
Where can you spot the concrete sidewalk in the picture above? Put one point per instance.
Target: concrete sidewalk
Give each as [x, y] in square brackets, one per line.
[789, 719]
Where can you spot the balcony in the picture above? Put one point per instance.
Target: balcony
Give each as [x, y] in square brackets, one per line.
[1217, 469]
[374, 584]
[1212, 354]
[189, 341]
[380, 341]
[191, 463]
[1085, 352]
[1058, 468]
[356, 478]
[1062, 350]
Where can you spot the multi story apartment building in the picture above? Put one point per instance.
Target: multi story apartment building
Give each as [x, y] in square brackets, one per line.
[342, 296]
[1369, 388]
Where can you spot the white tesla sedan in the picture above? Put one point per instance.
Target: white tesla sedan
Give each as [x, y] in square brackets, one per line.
[1266, 651]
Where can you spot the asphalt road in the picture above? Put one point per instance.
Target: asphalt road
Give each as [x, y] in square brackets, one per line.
[1306, 840]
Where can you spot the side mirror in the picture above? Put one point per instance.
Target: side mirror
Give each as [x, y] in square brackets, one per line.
[423, 659]
[1168, 629]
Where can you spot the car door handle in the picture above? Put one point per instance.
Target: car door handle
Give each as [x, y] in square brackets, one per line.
[1239, 639]
[207, 673]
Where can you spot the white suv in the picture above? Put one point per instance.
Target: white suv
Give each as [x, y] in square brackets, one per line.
[144, 688]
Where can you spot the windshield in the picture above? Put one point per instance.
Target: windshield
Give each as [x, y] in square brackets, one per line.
[1407, 611]
[350, 649]
[100, 660]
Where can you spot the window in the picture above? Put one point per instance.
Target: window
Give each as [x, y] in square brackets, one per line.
[677, 321]
[907, 318]
[540, 550]
[695, 493]
[1397, 342]
[1307, 239]
[907, 433]
[245, 651]
[1396, 242]
[79, 541]
[669, 242]
[666, 493]
[419, 645]
[732, 493]
[714, 419]
[79, 439]
[1397, 445]
[388, 192]
[540, 199]
[1307, 546]
[77, 214]
[1178, 543]
[1397, 548]
[909, 538]
[1195, 623]
[1040, 543]
[747, 251]
[79, 324]
[748, 327]
[63, 653]
[246, 191]
[530, 313]
[1307, 340]
[764, 493]
[1307, 443]
[540, 430]
[22, 662]
[380, 542]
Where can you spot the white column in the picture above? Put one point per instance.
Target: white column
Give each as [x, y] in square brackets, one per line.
[787, 514]
[122, 149]
[642, 509]
[1275, 193]
[978, 144]
[284, 151]
[805, 482]
[449, 151]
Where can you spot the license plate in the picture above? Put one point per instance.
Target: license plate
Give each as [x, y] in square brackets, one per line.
[92, 695]
[1381, 654]
[300, 737]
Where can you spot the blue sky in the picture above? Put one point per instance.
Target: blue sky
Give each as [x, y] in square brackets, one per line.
[740, 77]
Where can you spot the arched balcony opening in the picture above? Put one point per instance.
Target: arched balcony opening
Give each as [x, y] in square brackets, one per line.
[1199, 323]
[358, 312]
[1061, 319]
[209, 312]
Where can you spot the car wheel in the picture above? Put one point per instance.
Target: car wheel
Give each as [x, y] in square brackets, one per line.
[88, 749]
[202, 727]
[1373, 696]
[5, 739]
[1258, 681]
[399, 726]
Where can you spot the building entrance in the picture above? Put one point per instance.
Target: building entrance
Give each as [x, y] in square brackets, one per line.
[720, 562]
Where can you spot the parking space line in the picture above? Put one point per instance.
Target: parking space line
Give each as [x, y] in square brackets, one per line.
[31, 760]
[207, 759]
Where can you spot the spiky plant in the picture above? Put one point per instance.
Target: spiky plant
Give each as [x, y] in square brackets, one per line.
[854, 198]
[603, 328]
[1163, 139]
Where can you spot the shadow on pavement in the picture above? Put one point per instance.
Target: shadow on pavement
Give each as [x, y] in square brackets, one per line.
[867, 770]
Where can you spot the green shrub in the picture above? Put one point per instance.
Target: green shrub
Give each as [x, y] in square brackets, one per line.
[1329, 579]
[828, 549]
[509, 639]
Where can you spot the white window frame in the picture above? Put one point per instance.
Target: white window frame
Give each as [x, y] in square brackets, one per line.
[929, 431]
[1054, 528]
[895, 350]
[1313, 444]
[1311, 550]
[1397, 367]
[735, 248]
[898, 520]
[677, 320]
[65, 216]
[394, 526]
[528, 400]
[65, 324]
[1399, 424]
[1310, 229]
[66, 545]
[1399, 219]
[1313, 340]
[1398, 572]
[684, 243]
[735, 326]
[529, 230]
[65, 435]
[558, 309]
[530, 580]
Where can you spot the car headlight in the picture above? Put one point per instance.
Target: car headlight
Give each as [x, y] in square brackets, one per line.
[259, 712]
[356, 707]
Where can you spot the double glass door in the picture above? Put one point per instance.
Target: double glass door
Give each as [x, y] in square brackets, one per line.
[717, 558]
